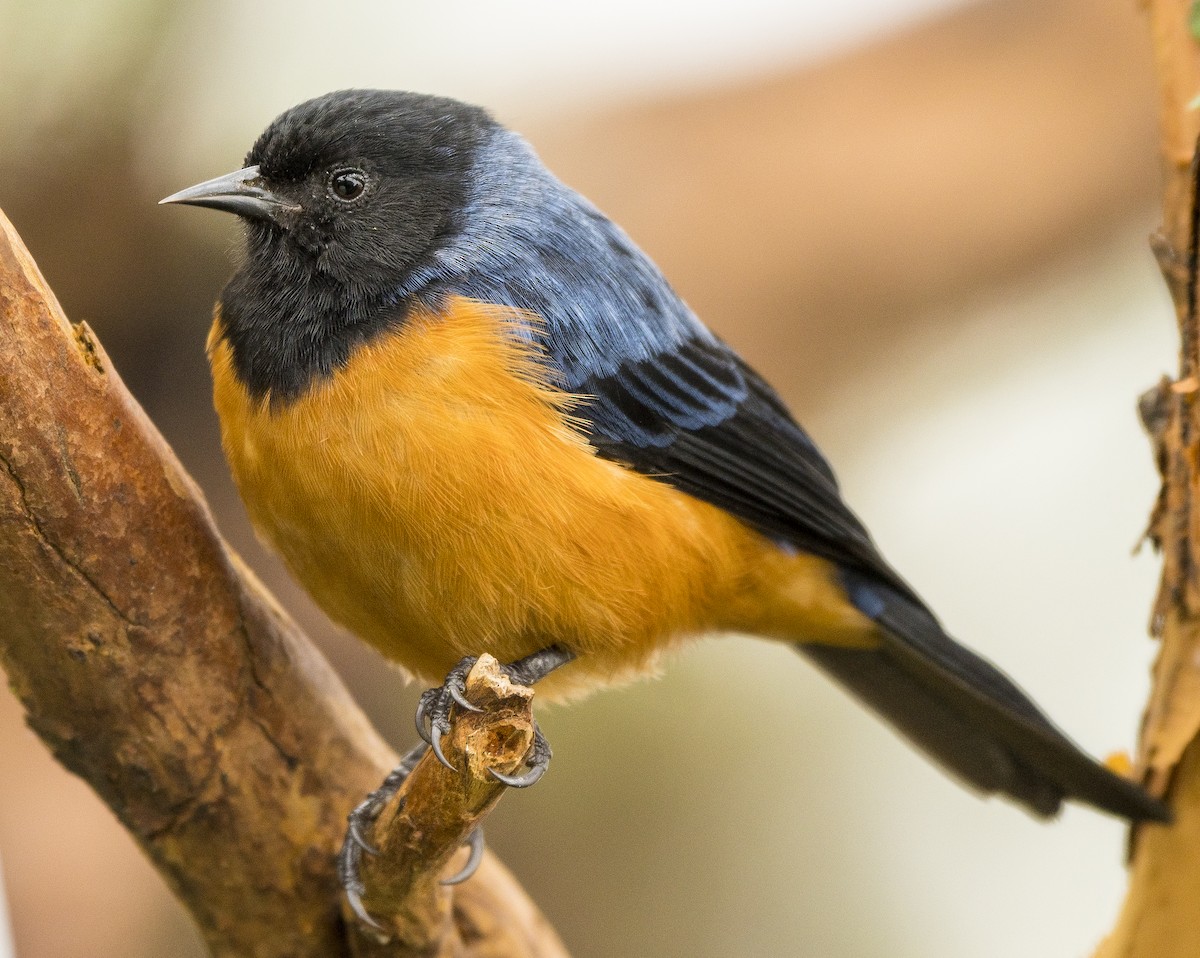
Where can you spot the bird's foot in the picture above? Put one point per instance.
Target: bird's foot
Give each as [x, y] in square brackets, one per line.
[433, 714]
[363, 818]
[436, 705]
[433, 723]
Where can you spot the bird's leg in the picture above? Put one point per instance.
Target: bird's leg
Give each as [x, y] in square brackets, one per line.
[433, 712]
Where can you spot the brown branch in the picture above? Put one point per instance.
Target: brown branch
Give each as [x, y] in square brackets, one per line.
[1159, 918]
[159, 670]
[427, 821]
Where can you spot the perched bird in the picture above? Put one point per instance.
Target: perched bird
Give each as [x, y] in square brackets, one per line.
[471, 415]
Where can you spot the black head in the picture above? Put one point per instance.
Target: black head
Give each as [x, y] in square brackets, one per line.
[360, 183]
[344, 197]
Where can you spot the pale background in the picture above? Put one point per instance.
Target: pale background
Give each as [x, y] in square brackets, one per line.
[925, 221]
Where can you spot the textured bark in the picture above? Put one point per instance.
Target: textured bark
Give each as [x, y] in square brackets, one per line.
[1159, 918]
[158, 669]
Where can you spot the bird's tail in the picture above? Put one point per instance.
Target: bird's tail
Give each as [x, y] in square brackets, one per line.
[969, 716]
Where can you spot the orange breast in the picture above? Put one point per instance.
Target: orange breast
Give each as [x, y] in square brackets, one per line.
[432, 497]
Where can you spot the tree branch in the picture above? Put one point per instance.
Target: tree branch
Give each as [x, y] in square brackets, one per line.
[157, 668]
[427, 821]
[1159, 918]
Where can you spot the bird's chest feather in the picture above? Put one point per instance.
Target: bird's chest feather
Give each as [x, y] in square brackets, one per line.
[432, 497]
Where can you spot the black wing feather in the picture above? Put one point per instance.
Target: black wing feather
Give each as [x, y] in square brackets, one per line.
[703, 421]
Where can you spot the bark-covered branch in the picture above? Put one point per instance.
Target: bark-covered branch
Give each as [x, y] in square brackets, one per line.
[157, 668]
[1159, 918]
[423, 826]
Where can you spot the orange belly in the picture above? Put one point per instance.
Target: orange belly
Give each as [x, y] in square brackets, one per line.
[433, 499]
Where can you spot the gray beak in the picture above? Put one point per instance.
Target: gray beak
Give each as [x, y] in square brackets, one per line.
[241, 192]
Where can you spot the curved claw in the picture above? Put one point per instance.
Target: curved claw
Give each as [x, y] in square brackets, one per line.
[521, 781]
[461, 699]
[354, 899]
[421, 715]
[435, 743]
[354, 830]
[538, 760]
[475, 840]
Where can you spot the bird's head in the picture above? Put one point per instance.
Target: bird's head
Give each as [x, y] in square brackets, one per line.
[357, 185]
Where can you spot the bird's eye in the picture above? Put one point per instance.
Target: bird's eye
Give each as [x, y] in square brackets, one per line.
[347, 185]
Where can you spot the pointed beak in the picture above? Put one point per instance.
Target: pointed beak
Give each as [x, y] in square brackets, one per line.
[242, 192]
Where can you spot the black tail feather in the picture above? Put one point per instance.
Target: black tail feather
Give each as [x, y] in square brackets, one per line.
[972, 719]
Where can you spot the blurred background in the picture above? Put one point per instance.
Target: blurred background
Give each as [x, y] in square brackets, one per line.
[924, 220]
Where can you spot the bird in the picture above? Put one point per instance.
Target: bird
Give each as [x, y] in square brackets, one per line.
[471, 415]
